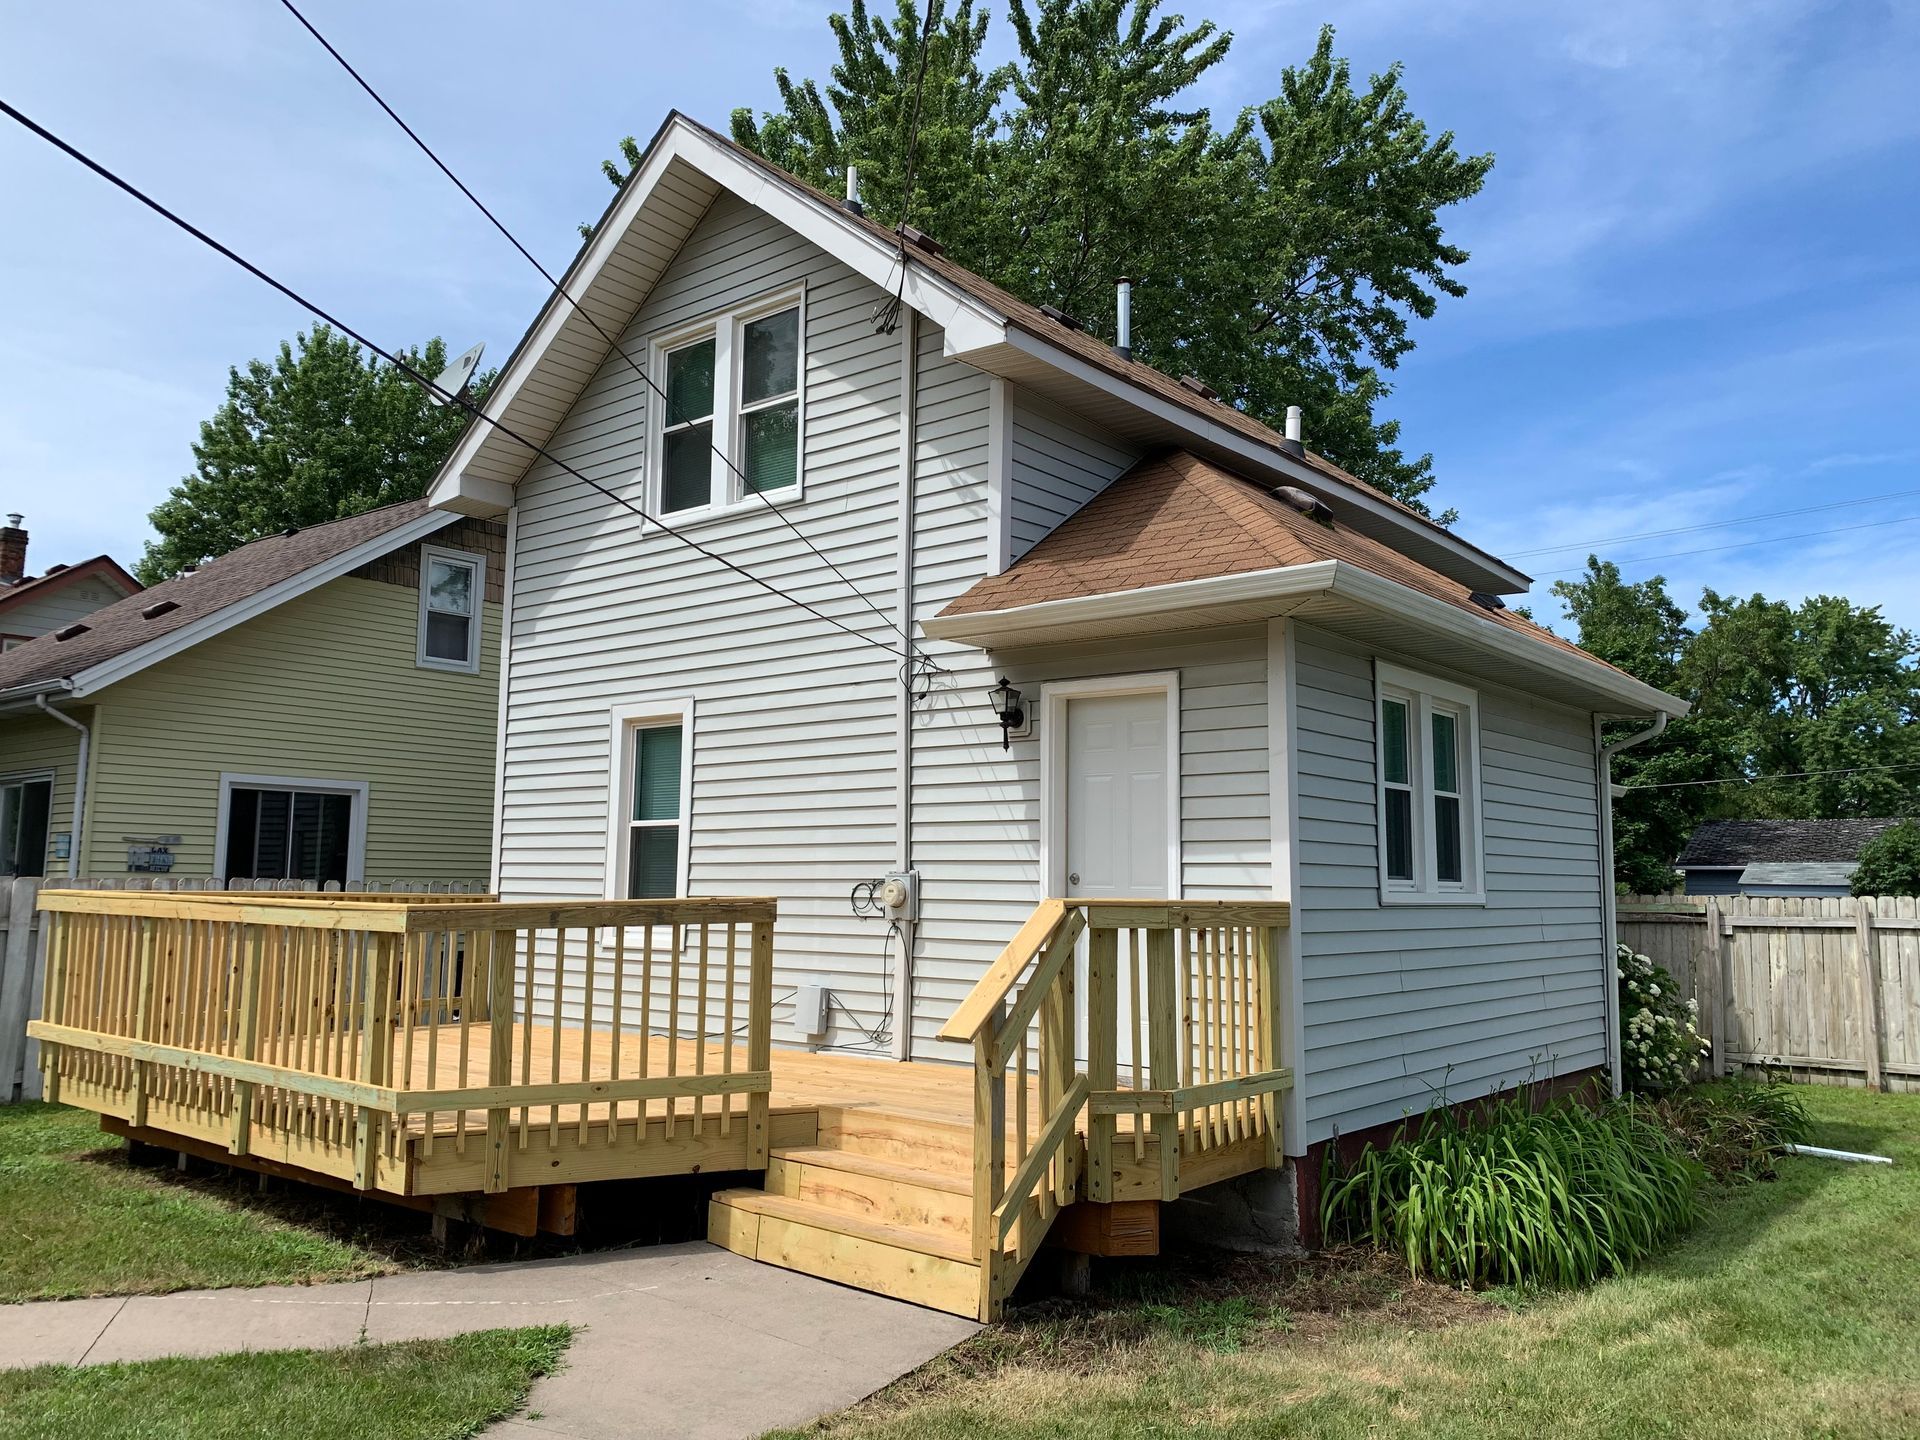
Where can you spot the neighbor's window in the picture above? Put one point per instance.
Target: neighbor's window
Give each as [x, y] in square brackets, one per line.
[287, 834]
[654, 822]
[452, 583]
[1426, 738]
[729, 420]
[24, 807]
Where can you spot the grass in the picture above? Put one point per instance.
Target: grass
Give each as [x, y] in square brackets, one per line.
[77, 1219]
[417, 1390]
[1786, 1312]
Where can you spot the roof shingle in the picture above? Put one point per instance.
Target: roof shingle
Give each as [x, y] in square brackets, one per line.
[1726, 844]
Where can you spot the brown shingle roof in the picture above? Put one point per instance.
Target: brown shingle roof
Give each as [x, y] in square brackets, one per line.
[238, 575]
[61, 576]
[1177, 517]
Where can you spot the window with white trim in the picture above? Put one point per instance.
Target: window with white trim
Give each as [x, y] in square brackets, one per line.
[656, 829]
[1427, 763]
[727, 423]
[452, 585]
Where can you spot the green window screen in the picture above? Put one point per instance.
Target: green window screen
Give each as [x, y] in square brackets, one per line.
[653, 862]
[1393, 740]
[656, 773]
[1446, 753]
[770, 365]
[1399, 835]
[688, 482]
[1446, 838]
[773, 446]
[690, 383]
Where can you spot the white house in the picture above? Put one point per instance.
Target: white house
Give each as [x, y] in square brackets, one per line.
[1241, 672]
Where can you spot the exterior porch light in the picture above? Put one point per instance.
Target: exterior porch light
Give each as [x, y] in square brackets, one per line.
[1006, 708]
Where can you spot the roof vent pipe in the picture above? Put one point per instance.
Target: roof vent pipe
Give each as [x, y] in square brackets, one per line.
[853, 190]
[1293, 444]
[1123, 333]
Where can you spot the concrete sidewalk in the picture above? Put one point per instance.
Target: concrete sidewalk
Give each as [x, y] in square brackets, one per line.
[676, 1340]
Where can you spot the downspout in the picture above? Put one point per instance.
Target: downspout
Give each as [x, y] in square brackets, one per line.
[1609, 915]
[902, 1018]
[79, 782]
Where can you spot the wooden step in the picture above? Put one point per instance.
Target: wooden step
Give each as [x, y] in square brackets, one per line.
[924, 1267]
[923, 1142]
[871, 1188]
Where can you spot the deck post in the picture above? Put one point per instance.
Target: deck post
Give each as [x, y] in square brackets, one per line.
[143, 1016]
[247, 1036]
[53, 1000]
[1103, 1042]
[1271, 1019]
[502, 948]
[376, 1054]
[1163, 1052]
[759, 1041]
[989, 1154]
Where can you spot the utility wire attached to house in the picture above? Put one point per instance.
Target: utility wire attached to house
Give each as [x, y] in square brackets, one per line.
[558, 288]
[461, 400]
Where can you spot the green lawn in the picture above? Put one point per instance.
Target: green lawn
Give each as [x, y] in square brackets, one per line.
[420, 1390]
[76, 1219]
[1789, 1311]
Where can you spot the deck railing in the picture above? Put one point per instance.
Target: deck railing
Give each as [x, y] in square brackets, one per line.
[1180, 1061]
[418, 1043]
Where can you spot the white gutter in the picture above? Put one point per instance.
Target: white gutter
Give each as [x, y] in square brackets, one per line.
[79, 782]
[1609, 905]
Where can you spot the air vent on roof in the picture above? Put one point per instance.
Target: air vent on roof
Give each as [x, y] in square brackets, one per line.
[1059, 316]
[1486, 601]
[1199, 387]
[1306, 502]
[289, 532]
[55, 569]
[159, 608]
[919, 239]
[72, 632]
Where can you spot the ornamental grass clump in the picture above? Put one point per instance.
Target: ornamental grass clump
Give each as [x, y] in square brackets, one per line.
[1736, 1128]
[1660, 1042]
[1513, 1195]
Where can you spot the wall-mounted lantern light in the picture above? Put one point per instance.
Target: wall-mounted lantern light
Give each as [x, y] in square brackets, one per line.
[1006, 707]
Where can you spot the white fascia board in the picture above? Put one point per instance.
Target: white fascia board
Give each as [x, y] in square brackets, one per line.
[1265, 457]
[968, 324]
[98, 677]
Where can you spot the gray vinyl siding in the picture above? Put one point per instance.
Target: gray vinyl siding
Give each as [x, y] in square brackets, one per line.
[1404, 1003]
[1059, 462]
[793, 753]
[61, 605]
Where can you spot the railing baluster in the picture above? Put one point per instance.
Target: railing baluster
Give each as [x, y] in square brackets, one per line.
[246, 1035]
[586, 1027]
[1162, 989]
[555, 1030]
[700, 1034]
[673, 1023]
[619, 1006]
[726, 1032]
[500, 946]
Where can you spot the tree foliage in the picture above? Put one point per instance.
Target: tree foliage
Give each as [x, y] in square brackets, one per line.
[1890, 862]
[1279, 257]
[320, 432]
[1806, 708]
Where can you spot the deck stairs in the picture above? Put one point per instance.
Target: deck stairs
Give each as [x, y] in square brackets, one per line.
[882, 1200]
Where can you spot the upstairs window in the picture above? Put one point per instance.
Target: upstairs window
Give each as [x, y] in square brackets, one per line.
[1427, 761]
[452, 583]
[728, 423]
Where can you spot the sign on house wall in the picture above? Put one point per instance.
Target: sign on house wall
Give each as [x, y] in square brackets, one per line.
[150, 853]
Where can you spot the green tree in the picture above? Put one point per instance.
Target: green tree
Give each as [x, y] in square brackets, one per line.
[321, 432]
[1280, 258]
[1890, 862]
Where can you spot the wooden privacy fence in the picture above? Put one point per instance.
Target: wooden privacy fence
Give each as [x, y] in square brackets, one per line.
[1182, 1043]
[1826, 987]
[419, 1044]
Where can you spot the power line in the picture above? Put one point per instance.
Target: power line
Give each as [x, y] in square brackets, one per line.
[1758, 779]
[559, 289]
[1742, 544]
[1711, 525]
[129, 188]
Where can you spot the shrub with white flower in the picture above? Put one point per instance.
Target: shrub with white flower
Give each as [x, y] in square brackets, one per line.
[1660, 1041]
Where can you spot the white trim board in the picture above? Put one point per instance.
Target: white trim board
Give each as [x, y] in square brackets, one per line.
[360, 790]
[1283, 788]
[1054, 695]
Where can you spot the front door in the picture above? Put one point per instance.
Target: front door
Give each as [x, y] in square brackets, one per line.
[1117, 840]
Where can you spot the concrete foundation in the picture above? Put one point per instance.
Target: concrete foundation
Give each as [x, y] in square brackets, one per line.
[1258, 1213]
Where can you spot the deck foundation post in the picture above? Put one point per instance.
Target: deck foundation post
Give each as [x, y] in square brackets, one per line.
[759, 1041]
[247, 1036]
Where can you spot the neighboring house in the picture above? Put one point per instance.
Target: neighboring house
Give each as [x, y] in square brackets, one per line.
[1775, 857]
[32, 605]
[298, 708]
[1242, 672]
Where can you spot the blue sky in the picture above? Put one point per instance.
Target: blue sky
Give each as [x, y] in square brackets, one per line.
[1695, 290]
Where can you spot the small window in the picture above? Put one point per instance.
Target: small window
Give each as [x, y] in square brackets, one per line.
[686, 475]
[24, 808]
[452, 584]
[654, 822]
[1429, 807]
[275, 834]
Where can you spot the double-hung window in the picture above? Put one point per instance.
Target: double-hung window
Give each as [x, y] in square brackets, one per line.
[452, 583]
[1427, 762]
[727, 416]
[647, 846]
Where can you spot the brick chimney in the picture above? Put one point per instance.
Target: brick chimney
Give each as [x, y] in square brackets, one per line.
[13, 552]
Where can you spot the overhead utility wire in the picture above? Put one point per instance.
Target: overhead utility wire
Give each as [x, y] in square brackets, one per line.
[561, 290]
[887, 315]
[1744, 544]
[407, 370]
[1710, 525]
[1759, 779]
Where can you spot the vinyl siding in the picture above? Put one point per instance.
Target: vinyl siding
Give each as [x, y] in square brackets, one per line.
[323, 687]
[60, 606]
[1059, 462]
[32, 744]
[1405, 1003]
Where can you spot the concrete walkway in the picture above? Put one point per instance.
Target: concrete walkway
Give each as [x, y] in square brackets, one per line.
[675, 1340]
